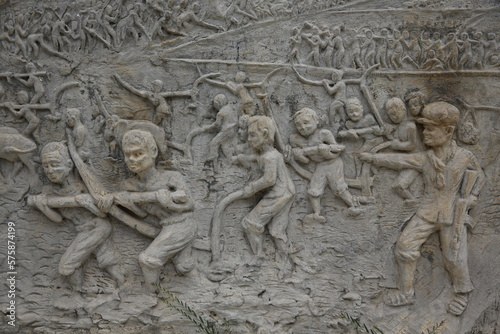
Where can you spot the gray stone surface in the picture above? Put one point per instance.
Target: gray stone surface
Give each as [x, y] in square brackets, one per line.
[271, 163]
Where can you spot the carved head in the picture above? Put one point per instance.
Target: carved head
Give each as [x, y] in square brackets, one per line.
[439, 120]
[415, 101]
[306, 121]
[240, 76]
[140, 150]
[30, 67]
[354, 109]
[396, 110]
[23, 97]
[220, 101]
[261, 131]
[72, 116]
[56, 162]
[157, 86]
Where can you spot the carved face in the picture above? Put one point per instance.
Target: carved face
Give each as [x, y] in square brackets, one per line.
[257, 138]
[138, 158]
[56, 167]
[396, 113]
[354, 111]
[435, 136]
[306, 124]
[415, 106]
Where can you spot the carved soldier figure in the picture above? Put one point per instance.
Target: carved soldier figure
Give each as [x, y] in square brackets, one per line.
[68, 193]
[452, 181]
[319, 146]
[156, 194]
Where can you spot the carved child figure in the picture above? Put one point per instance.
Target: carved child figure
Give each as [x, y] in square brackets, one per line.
[319, 146]
[404, 138]
[275, 184]
[365, 127]
[157, 194]
[452, 180]
[23, 110]
[81, 136]
[68, 193]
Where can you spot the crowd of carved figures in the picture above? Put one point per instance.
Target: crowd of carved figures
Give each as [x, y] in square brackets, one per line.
[394, 48]
[110, 23]
[315, 150]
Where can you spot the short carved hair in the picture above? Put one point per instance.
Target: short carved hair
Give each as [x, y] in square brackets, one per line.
[306, 111]
[264, 123]
[139, 138]
[56, 147]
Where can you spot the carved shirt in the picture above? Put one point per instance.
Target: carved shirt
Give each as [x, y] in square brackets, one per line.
[438, 202]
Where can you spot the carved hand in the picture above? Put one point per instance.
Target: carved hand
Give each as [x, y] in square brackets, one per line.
[104, 202]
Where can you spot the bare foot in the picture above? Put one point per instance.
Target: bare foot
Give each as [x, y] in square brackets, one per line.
[458, 304]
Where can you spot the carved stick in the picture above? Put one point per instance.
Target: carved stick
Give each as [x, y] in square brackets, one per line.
[95, 188]
[217, 222]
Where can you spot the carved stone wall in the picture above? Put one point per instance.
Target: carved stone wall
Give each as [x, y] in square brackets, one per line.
[273, 164]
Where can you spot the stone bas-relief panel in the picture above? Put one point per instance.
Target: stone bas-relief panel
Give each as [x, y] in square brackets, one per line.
[271, 163]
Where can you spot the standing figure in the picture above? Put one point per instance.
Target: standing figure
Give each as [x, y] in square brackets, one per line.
[452, 181]
[226, 123]
[404, 138]
[275, 184]
[319, 146]
[364, 127]
[81, 135]
[69, 194]
[157, 195]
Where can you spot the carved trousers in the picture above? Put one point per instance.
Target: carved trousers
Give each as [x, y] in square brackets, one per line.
[171, 241]
[456, 263]
[91, 239]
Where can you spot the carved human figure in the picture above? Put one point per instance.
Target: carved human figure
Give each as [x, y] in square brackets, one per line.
[239, 88]
[452, 180]
[405, 139]
[68, 194]
[23, 110]
[361, 126]
[158, 195]
[415, 101]
[33, 81]
[316, 145]
[226, 123]
[275, 184]
[81, 135]
[157, 98]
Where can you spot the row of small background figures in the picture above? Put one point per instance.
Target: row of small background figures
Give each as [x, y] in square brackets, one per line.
[337, 47]
[81, 26]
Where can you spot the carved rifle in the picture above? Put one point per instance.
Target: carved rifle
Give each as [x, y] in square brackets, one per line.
[461, 209]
